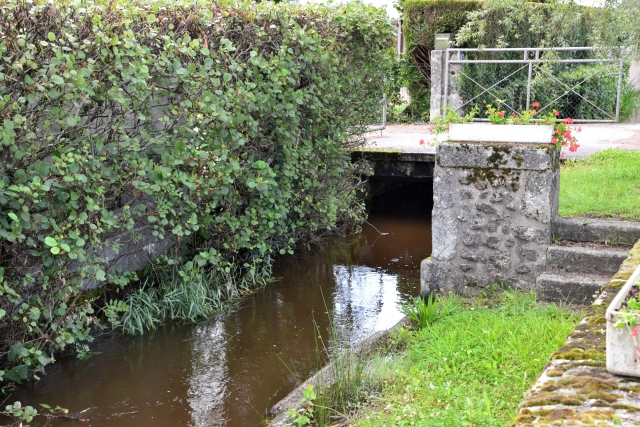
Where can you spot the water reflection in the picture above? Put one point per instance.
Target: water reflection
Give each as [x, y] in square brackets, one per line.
[365, 301]
[229, 371]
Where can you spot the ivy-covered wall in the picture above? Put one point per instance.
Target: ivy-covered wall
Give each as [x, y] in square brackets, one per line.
[224, 126]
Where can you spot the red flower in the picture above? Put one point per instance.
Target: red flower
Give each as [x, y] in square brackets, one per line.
[422, 142]
[556, 113]
[635, 331]
[573, 149]
[579, 129]
[554, 141]
[515, 116]
[568, 121]
[535, 104]
[557, 132]
[500, 113]
[490, 111]
[562, 155]
[567, 134]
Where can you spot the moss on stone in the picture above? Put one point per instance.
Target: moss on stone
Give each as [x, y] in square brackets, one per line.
[580, 354]
[625, 407]
[634, 389]
[559, 416]
[545, 399]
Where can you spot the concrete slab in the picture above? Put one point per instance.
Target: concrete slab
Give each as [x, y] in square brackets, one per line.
[592, 138]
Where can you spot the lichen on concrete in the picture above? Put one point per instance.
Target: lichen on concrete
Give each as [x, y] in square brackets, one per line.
[575, 389]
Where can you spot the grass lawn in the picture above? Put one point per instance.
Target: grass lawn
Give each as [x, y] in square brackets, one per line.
[607, 184]
[471, 367]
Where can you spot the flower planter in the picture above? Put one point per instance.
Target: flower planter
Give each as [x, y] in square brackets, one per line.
[620, 345]
[487, 132]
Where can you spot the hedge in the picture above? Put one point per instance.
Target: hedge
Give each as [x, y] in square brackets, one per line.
[224, 126]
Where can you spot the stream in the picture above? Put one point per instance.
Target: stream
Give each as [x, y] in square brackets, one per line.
[230, 370]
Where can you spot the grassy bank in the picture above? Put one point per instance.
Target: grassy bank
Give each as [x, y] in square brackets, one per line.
[607, 184]
[469, 368]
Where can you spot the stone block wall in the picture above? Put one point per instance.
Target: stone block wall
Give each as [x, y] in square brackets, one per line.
[492, 215]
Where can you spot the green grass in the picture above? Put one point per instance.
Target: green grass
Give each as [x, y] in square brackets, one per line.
[628, 101]
[607, 184]
[472, 367]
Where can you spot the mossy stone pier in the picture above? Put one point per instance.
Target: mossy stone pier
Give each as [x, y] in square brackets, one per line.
[494, 204]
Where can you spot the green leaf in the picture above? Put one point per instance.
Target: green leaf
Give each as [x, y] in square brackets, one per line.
[51, 36]
[180, 146]
[65, 247]
[17, 374]
[205, 51]
[55, 250]
[13, 216]
[101, 275]
[51, 241]
[57, 80]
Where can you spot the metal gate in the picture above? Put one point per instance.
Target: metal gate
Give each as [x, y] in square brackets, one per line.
[583, 83]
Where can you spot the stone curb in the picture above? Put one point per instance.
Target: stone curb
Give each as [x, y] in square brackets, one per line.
[575, 388]
[280, 410]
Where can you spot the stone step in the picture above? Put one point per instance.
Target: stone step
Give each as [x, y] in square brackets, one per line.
[585, 260]
[570, 288]
[597, 230]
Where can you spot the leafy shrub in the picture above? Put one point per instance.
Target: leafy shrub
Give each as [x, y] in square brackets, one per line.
[226, 129]
[422, 20]
[405, 73]
[530, 24]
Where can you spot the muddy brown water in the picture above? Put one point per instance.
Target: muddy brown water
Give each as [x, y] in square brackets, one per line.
[230, 370]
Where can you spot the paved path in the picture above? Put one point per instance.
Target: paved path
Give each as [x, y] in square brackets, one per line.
[592, 138]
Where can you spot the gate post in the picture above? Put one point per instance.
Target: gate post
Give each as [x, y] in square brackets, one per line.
[443, 81]
[494, 204]
[437, 83]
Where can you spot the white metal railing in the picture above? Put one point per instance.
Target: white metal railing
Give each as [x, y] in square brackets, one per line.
[530, 58]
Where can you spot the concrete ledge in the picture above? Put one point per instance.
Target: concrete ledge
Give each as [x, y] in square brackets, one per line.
[498, 156]
[280, 410]
[383, 154]
[597, 230]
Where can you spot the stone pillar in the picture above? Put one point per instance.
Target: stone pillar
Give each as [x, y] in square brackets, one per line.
[438, 79]
[492, 213]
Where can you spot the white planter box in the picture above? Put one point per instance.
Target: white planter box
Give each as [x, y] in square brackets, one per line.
[620, 346]
[487, 132]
